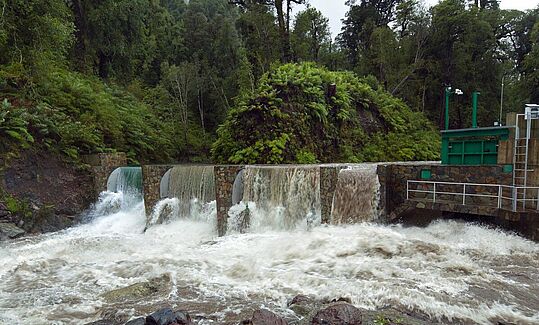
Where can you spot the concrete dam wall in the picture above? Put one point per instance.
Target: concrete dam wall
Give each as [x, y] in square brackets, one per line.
[239, 198]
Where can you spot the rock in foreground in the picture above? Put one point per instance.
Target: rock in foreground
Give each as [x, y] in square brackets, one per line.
[167, 316]
[340, 313]
[10, 231]
[265, 317]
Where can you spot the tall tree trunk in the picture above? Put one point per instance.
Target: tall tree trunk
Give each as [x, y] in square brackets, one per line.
[283, 31]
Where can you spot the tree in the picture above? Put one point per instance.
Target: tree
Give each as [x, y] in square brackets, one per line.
[310, 35]
[33, 31]
[283, 9]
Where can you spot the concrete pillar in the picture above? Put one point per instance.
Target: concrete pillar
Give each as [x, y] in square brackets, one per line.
[224, 181]
[102, 165]
[329, 176]
[383, 172]
[151, 181]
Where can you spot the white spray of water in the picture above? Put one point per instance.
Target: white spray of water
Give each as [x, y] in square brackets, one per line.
[277, 198]
[448, 270]
[357, 195]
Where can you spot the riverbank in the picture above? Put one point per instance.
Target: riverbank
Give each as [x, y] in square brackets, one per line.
[448, 270]
[41, 192]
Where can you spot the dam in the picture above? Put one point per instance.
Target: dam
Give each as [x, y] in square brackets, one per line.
[219, 239]
[490, 175]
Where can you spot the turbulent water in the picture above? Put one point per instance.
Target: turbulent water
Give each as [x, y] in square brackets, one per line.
[449, 270]
[277, 198]
[186, 191]
[356, 196]
[126, 179]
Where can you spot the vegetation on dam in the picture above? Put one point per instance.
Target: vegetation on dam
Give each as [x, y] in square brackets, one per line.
[306, 114]
[156, 79]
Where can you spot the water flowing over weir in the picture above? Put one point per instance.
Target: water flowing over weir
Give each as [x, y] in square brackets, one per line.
[124, 193]
[357, 195]
[455, 272]
[276, 198]
[186, 192]
[125, 179]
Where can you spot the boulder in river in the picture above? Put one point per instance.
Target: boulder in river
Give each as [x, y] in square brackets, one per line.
[265, 317]
[340, 313]
[167, 316]
[304, 306]
[139, 290]
[10, 231]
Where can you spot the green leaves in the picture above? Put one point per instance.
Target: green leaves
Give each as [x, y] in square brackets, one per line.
[13, 125]
[302, 113]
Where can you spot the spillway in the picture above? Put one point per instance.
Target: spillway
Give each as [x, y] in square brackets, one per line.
[357, 195]
[452, 271]
[276, 198]
[126, 180]
[186, 192]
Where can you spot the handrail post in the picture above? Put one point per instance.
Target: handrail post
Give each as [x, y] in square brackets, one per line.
[515, 190]
[500, 193]
[407, 190]
[464, 194]
[538, 199]
[434, 194]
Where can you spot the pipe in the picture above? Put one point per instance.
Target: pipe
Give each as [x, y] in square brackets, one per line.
[475, 97]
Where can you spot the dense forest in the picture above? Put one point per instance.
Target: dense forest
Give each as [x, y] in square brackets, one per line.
[157, 78]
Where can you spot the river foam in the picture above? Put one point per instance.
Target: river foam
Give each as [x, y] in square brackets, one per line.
[448, 270]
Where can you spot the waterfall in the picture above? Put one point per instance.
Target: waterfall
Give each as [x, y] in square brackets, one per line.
[125, 180]
[186, 192]
[124, 193]
[357, 195]
[276, 198]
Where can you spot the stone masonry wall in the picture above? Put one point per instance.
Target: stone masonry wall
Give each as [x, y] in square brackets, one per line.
[102, 165]
[224, 181]
[328, 183]
[398, 175]
[151, 181]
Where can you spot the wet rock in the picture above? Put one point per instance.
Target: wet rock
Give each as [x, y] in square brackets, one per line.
[10, 231]
[342, 299]
[137, 321]
[101, 322]
[340, 313]
[138, 290]
[300, 300]
[393, 316]
[4, 212]
[167, 316]
[265, 317]
[304, 305]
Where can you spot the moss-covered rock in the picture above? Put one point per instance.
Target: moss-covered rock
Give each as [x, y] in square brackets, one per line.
[305, 113]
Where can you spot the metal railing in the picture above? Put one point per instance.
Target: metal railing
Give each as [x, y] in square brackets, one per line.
[491, 195]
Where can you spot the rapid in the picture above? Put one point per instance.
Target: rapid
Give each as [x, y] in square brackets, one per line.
[450, 271]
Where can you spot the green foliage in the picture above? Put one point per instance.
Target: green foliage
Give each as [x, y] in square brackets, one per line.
[13, 126]
[157, 78]
[75, 115]
[16, 206]
[305, 113]
[34, 30]
[306, 157]
[311, 37]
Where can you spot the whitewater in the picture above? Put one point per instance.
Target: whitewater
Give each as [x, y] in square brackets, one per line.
[450, 271]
